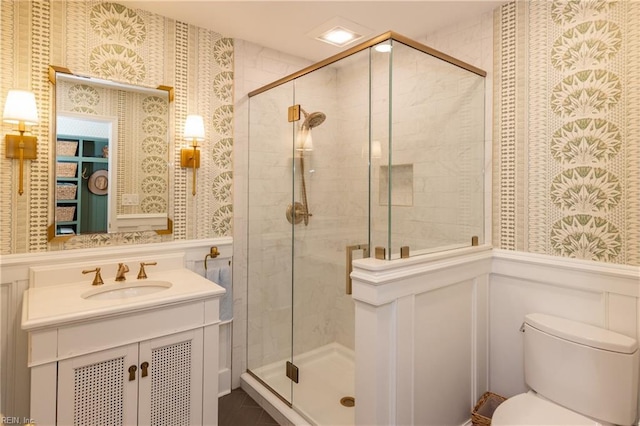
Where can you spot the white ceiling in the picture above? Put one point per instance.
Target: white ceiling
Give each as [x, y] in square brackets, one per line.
[284, 25]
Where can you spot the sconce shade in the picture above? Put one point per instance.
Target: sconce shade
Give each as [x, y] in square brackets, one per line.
[20, 106]
[194, 127]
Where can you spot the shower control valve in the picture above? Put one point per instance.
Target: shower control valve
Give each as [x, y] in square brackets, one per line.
[296, 213]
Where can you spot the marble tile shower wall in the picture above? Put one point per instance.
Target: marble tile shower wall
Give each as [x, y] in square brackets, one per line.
[319, 251]
[472, 41]
[320, 307]
[269, 243]
[351, 201]
[438, 115]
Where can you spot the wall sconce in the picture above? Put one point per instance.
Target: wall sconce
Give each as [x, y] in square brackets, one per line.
[190, 157]
[20, 108]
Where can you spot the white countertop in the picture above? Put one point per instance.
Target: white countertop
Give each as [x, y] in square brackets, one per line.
[51, 306]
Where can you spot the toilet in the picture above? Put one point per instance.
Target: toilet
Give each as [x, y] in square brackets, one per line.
[579, 374]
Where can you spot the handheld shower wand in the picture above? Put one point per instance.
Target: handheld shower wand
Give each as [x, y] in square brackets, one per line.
[305, 203]
[298, 212]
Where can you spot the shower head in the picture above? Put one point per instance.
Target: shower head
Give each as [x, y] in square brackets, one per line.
[313, 120]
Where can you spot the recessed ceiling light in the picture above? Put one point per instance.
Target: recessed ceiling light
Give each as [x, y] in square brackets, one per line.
[339, 32]
[339, 36]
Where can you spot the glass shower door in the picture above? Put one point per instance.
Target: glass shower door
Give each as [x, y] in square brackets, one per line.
[269, 245]
[331, 157]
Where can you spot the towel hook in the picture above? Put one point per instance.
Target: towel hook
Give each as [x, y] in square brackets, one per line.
[213, 253]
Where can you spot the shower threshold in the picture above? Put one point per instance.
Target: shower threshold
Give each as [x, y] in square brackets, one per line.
[326, 378]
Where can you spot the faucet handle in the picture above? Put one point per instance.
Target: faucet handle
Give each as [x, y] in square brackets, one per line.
[97, 280]
[122, 269]
[142, 274]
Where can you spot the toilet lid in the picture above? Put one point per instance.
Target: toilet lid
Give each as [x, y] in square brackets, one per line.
[528, 409]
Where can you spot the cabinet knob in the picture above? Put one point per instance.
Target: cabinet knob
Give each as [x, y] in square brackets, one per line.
[132, 372]
[144, 367]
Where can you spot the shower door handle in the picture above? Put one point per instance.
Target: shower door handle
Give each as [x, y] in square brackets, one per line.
[350, 250]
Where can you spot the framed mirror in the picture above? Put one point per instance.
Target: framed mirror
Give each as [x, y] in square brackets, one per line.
[112, 156]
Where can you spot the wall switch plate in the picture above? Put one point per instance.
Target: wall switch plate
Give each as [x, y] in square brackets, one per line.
[130, 200]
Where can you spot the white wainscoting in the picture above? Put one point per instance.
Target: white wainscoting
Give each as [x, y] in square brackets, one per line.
[433, 333]
[421, 337]
[602, 294]
[14, 373]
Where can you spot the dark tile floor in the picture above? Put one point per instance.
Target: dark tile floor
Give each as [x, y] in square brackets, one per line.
[238, 409]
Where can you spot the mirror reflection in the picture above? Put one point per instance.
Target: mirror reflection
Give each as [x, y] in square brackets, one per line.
[112, 148]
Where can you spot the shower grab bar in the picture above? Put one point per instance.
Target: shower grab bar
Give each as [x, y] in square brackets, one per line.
[350, 250]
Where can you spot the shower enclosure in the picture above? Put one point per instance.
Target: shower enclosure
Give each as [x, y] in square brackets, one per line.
[376, 152]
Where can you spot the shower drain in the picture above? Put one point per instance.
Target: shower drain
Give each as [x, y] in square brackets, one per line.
[348, 401]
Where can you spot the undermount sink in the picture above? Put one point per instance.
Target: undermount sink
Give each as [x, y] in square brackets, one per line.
[126, 290]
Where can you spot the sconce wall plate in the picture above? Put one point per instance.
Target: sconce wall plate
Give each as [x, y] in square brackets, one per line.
[29, 149]
[186, 158]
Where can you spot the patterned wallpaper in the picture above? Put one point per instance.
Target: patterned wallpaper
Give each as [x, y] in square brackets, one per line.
[567, 131]
[111, 41]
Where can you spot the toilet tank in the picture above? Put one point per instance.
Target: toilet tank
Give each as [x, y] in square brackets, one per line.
[584, 368]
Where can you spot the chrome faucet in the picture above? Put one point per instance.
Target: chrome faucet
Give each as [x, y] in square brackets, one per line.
[122, 269]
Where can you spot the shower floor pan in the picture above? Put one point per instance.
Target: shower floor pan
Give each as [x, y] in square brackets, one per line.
[326, 378]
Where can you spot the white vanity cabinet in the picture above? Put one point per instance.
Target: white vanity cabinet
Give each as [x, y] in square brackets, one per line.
[147, 360]
[158, 381]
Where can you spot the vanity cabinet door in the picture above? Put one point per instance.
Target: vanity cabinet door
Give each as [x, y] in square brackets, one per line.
[170, 384]
[97, 389]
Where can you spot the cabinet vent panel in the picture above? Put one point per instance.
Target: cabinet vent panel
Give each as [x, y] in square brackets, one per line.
[99, 393]
[170, 385]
